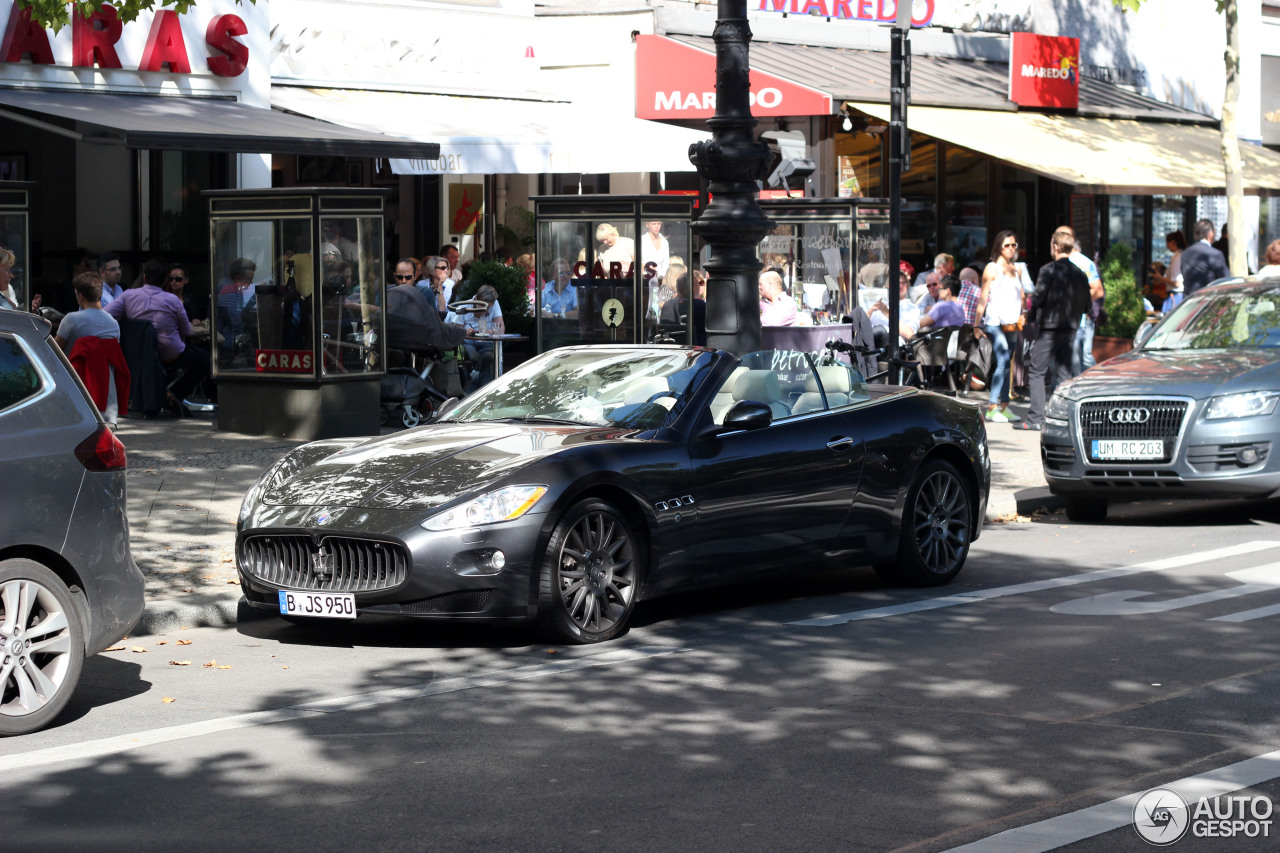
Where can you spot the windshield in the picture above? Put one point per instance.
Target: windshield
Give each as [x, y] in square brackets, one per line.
[1221, 319]
[634, 388]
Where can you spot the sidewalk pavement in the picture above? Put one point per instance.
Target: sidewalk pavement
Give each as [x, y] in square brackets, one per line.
[186, 480]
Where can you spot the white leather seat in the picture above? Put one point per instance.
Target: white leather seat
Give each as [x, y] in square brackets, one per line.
[762, 386]
[723, 401]
[836, 380]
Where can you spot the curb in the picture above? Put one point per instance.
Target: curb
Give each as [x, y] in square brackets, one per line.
[1004, 503]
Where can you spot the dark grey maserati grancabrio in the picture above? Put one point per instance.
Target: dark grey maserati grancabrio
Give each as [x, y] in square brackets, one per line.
[1191, 412]
[591, 477]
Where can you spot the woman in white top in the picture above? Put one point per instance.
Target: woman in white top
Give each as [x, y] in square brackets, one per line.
[1171, 279]
[1001, 299]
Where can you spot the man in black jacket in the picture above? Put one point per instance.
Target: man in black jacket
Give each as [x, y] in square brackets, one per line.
[1201, 263]
[1060, 297]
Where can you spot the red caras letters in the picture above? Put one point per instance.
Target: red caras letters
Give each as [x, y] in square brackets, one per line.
[94, 40]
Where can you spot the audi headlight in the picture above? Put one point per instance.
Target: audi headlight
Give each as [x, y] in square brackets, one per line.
[505, 504]
[1059, 408]
[1247, 405]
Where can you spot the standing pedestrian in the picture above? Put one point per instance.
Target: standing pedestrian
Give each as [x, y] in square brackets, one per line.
[1060, 299]
[1000, 306]
[1201, 262]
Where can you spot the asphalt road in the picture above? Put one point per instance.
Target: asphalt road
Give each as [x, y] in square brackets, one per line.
[1068, 670]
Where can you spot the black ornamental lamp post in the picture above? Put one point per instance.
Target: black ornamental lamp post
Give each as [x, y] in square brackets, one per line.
[733, 161]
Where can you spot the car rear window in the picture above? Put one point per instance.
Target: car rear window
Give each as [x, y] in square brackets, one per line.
[19, 379]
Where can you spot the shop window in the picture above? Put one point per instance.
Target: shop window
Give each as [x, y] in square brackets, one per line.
[1167, 213]
[1017, 213]
[965, 233]
[859, 165]
[815, 260]
[1126, 226]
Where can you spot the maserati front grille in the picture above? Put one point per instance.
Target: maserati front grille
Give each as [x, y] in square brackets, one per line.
[334, 564]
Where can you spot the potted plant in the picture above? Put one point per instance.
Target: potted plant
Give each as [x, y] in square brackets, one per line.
[1123, 311]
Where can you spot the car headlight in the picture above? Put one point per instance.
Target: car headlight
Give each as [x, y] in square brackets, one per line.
[505, 504]
[272, 477]
[1059, 408]
[1246, 405]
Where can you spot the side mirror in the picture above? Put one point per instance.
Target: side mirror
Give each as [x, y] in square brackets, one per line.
[748, 414]
[446, 407]
[1144, 332]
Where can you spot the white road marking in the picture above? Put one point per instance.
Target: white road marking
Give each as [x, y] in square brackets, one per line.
[1038, 586]
[135, 740]
[1248, 615]
[1105, 817]
[1258, 579]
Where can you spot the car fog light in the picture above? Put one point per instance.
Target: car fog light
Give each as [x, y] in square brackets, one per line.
[1248, 456]
[498, 559]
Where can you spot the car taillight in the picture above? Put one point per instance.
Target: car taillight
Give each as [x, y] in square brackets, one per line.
[101, 451]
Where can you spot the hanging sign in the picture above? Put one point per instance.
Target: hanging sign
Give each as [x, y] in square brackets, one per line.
[1044, 71]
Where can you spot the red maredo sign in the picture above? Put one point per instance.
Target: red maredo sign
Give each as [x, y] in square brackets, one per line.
[674, 80]
[1044, 71]
[884, 11]
[93, 42]
[282, 360]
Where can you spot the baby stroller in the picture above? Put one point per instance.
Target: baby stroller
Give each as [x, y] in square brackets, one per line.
[407, 391]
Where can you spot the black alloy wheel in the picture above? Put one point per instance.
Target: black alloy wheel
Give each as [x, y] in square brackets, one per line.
[590, 575]
[937, 528]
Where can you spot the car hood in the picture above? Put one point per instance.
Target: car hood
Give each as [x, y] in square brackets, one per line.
[425, 467]
[1182, 373]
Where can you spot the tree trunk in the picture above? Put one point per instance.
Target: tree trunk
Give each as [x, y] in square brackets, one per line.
[1237, 231]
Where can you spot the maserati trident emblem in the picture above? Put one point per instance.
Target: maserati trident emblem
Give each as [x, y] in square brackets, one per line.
[322, 564]
[1129, 416]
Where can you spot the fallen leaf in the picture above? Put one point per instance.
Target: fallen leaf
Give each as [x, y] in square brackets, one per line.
[236, 582]
[168, 700]
[552, 652]
[179, 663]
[114, 649]
[207, 578]
[138, 649]
[184, 642]
[210, 665]
[286, 666]
[162, 643]
[225, 560]
[224, 666]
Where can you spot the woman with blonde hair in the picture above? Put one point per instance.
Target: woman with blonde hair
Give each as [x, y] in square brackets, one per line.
[7, 260]
[667, 288]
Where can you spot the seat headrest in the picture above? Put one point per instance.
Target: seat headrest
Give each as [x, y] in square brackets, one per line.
[759, 385]
[734, 376]
[645, 389]
[835, 379]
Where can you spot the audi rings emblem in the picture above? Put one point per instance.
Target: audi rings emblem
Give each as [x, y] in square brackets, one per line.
[1129, 416]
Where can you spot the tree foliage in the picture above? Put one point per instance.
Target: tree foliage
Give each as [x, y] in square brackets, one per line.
[512, 285]
[55, 14]
[1123, 302]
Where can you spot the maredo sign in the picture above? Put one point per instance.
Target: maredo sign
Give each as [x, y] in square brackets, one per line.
[1044, 71]
[675, 80]
[884, 11]
[94, 41]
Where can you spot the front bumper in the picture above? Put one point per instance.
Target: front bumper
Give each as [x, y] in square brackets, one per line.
[447, 574]
[1229, 458]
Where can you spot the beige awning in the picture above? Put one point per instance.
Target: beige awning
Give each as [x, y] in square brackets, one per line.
[1096, 155]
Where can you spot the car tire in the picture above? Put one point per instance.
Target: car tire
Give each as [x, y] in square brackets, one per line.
[589, 575]
[937, 528]
[1087, 510]
[36, 611]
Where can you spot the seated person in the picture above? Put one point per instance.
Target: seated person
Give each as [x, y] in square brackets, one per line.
[164, 311]
[92, 322]
[946, 311]
[559, 296]
[777, 308]
[676, 311]
[487, 322]
[414, 324]
[908, 311]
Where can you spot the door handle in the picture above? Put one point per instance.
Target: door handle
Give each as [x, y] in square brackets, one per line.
[842, 443]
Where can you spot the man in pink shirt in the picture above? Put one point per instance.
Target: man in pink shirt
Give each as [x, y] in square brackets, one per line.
[776, 307]
[165, 312]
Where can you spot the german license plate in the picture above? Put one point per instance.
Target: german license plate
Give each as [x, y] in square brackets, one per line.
[1150, 448]
[325, 605]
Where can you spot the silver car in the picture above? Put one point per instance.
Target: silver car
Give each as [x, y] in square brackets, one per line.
[68, 583]
[1190, 413]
